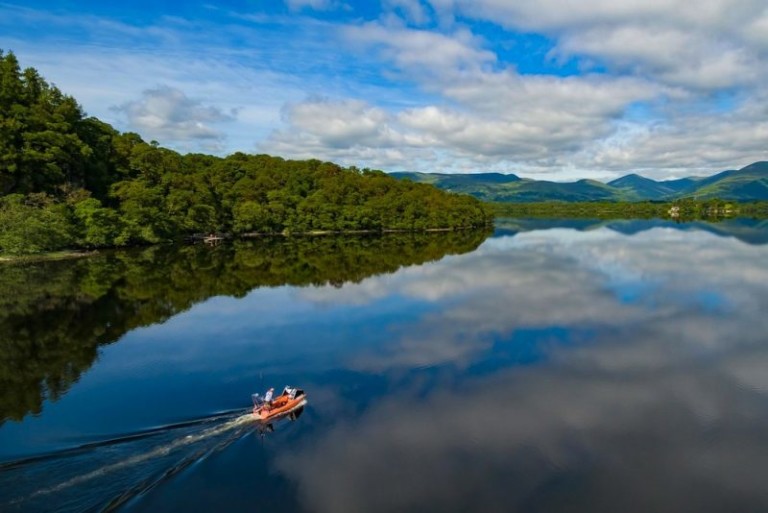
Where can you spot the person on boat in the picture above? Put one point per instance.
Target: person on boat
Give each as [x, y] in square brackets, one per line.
[268, 397]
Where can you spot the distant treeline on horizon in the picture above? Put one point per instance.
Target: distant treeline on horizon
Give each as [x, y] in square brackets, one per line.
[681, 210]
[68, 181]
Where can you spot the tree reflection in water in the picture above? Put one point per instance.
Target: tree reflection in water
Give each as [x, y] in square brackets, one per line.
[54, 315]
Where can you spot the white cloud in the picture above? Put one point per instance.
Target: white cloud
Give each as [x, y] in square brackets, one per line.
[556, 15]
[697, 142]
[663, 87]
[317, 5]
[350, 132]
[703, 47]
[342, 123]
[488, 116]
[494, 118]
[675, 57]
[414, 11]
[421, 51]
[756, 32]
[116, 65]
[166, 113]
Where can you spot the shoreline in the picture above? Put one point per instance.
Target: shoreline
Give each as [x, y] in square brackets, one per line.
[81, 253]
[313, 233]
[49, 256]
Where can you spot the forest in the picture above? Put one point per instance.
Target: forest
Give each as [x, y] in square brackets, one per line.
[72, 181]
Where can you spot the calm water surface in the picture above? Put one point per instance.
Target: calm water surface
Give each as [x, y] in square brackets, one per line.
[553, 366]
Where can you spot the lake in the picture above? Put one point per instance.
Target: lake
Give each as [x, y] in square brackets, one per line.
[572, 365]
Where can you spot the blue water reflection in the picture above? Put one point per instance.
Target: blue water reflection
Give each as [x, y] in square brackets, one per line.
[548, 370]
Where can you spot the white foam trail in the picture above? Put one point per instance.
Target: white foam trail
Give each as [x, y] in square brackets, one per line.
[160, 451]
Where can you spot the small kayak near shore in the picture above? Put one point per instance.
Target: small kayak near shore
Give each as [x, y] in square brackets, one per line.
[290, 400]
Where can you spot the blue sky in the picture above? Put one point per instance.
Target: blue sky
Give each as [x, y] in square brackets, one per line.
[547, 89]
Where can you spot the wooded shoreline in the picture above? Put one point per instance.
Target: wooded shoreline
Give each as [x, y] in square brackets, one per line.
[72, 181]
[683, 210]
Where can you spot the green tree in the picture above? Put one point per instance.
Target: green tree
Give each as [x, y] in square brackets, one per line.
[98, 226]
[107, 188]
[33, 225]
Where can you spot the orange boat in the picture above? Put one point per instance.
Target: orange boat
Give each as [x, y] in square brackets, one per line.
[291, 399]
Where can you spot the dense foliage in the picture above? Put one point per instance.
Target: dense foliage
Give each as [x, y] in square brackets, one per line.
[54, 315]
[682, 209]
[67, 180]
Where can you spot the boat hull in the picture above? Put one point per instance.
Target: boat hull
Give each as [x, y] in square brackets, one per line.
[279, 408]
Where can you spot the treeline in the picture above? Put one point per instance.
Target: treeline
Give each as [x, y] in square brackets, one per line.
[54, 315]
[67, 180]
[685, 209]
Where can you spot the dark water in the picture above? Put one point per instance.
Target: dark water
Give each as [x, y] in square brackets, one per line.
[555, 366]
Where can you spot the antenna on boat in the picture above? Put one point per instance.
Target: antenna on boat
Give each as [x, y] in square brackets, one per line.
[262, 433]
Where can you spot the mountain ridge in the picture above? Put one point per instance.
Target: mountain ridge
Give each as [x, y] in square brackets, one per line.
[749, 183]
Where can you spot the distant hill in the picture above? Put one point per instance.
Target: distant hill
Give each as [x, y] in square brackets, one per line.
[481, 185]
[583, 190]
[682, 184]
[500, 187]
[642, 188]
[746, 184]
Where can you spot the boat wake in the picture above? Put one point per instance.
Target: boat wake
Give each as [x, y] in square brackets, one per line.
[106, 474]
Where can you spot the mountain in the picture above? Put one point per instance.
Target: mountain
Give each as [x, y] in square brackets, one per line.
[681, 184]
[500, 187]
[583, 190]
[746, 184]
[481, 185]
[642, 188]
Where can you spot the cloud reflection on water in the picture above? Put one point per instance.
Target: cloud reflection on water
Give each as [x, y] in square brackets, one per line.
[662, 407]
